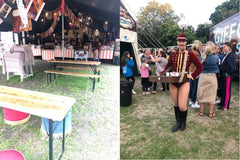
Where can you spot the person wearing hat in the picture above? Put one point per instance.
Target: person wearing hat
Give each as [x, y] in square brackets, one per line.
[227, 68]
[180, 61]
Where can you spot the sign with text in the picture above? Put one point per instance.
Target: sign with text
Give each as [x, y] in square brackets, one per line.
[226, 31]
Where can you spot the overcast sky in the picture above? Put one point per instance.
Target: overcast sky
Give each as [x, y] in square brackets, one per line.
[195, 11]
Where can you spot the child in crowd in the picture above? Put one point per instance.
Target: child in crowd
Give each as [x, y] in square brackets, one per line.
[127, 64]
[149, 61]
[145, 68]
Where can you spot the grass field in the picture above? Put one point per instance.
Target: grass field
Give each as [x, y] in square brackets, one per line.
[95, 117]
[146, 129]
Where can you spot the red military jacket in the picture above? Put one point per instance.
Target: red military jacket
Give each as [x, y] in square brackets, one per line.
[176, 62]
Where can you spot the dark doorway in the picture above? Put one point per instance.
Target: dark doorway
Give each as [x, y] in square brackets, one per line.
[126, 46]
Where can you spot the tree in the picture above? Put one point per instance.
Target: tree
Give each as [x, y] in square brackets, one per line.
[167, 33]
[154, 21]
[154, 14]
[190, 33]
[202, 32]
[225, 10]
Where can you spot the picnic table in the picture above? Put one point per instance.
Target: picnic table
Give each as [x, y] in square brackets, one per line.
[61, 64]
[53, 107]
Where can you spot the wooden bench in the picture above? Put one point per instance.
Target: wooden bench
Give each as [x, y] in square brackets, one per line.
[53, 107]
[80, 68]
[91, 76]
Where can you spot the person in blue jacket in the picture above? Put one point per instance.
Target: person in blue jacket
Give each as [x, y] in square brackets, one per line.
[228, 69]
[127, 64]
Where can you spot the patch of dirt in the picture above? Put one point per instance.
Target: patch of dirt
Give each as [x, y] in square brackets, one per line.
[231, 146]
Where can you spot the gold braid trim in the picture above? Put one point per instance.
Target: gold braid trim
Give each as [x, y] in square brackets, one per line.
[184, 67]
[180, 65]
[178, 61]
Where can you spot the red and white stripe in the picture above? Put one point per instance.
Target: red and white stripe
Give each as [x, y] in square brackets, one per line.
[106, 54]
[48, 54]
[58, 52]
[69, 53]
[36, 52]
[90, 54]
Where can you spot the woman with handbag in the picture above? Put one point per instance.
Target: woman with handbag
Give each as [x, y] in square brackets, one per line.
[180, 62]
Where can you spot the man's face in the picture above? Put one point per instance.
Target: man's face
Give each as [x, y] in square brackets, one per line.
[203, 48]
[226, 48]
[217, 50]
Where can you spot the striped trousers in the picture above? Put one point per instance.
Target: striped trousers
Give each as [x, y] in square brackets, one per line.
[225, 91]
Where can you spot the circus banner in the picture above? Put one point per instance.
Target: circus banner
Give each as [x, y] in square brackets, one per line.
[35, 9]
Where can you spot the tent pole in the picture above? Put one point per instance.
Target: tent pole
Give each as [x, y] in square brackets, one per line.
[63, 36]
[14, 42]
[23, 38]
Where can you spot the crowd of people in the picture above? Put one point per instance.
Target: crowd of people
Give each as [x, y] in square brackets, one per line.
[209, 70]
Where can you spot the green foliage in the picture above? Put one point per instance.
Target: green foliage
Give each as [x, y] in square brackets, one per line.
[167, 33]
[190, 33]
[153, 21]
[225, 10]
[202, 32]
[158, 23]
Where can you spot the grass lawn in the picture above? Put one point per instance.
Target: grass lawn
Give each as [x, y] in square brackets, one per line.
[146, 129]
[95, 117]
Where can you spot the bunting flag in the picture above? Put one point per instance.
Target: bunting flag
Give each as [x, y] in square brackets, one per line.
[22, 12]
[1, 2]
[5, 9]
[50, 30]
[63, 6]
[18, 26]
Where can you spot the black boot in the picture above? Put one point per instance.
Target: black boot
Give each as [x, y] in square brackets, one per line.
[183, 117]
[177, 116]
